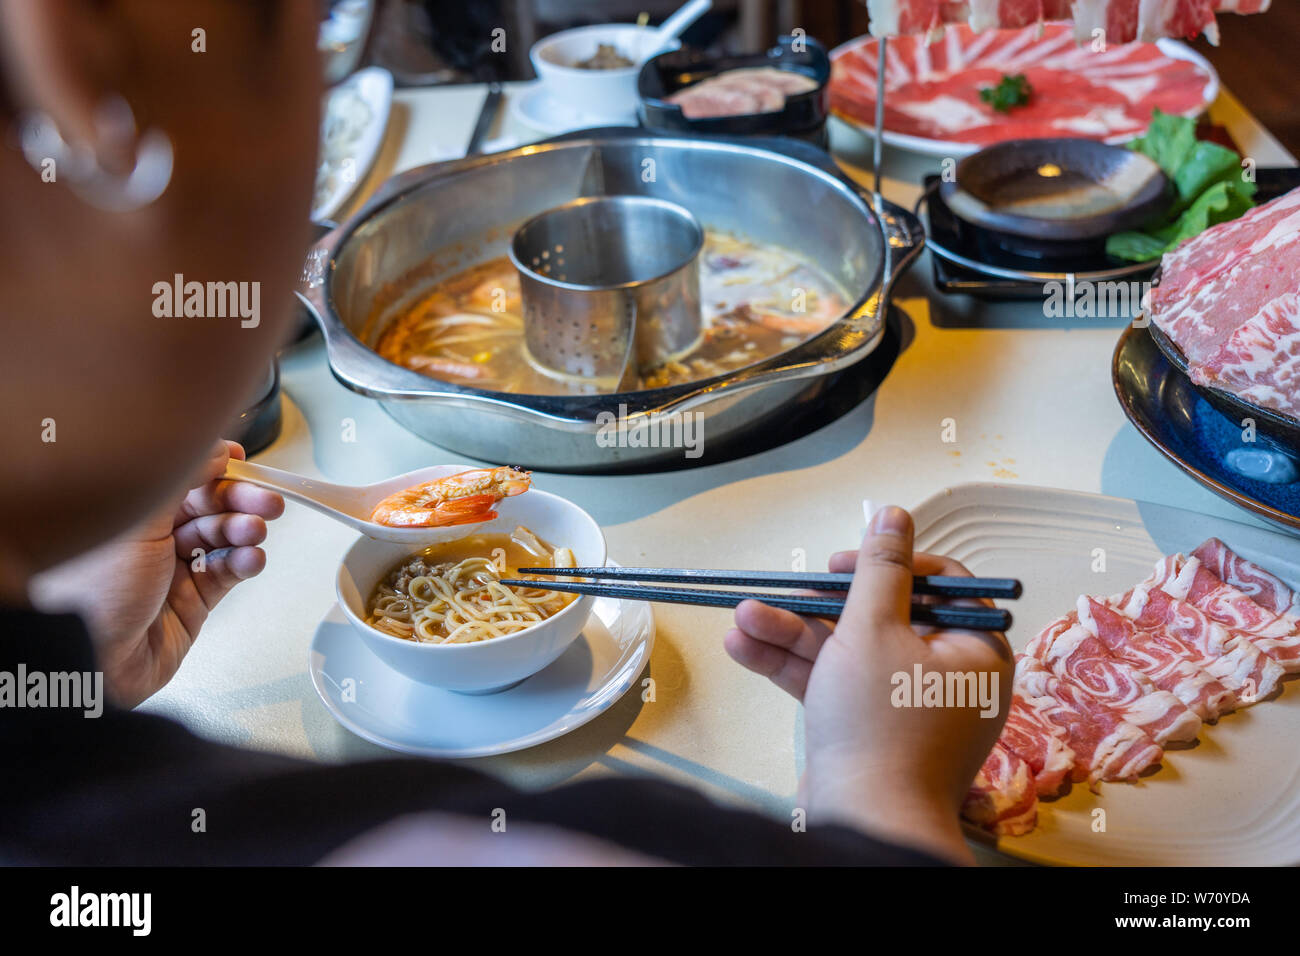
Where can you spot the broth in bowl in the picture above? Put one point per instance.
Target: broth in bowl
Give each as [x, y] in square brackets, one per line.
[451, 593]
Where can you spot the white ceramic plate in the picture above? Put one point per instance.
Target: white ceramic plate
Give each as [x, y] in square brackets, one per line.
[943, 148]
[398, 713]
[339, 173]
[533, 107]
[1233, 799]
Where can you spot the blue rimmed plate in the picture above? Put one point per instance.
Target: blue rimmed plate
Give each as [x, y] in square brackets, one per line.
[1164, 406]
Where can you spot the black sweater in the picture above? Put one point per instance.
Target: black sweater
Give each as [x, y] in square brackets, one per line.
[122, 789]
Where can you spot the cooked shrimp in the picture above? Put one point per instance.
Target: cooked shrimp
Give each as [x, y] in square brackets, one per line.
[465, 498]
[436, 365]
[819, 314]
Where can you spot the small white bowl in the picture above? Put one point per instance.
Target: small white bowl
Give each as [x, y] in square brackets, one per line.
[486, 666]
[597, 94]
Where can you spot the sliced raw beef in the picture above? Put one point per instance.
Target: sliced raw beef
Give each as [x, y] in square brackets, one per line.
[1005, 14]
[1032, 735]
[1106, 745]
[1122, 20]
[1171, 664]
[1274, 634]
[1075, 655]
[933, 90]
[1228, 299]
[1263, 587]
[1002, 799]
[1226, 654]
[1242, 6]
[1222, 248]
[1101, 690]
[1260, 361]
[741, 91]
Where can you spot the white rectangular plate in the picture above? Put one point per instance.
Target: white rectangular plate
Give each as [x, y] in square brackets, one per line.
[1233, 798]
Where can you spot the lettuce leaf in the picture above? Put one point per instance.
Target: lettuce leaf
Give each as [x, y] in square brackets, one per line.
[1208, 181]
[1168, 140]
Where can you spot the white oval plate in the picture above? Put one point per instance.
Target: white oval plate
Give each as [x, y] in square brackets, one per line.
[942, 148]
[535, 109]
[1231, 800]
[375, 87]
[403, 715]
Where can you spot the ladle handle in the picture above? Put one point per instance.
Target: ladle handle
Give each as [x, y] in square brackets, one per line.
[676, 24]
[323, 496]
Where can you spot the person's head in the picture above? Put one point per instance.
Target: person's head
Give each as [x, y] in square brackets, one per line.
[107, 405]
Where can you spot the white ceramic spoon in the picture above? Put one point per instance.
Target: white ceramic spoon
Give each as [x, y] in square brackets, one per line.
[676, 24]
[353, 504]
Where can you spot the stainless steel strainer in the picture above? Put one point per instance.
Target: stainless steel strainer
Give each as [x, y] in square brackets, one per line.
[610, 287]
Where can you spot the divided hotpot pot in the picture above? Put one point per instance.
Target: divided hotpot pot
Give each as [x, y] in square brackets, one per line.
[434, 221]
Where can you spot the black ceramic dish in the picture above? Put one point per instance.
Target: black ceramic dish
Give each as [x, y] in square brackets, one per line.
[1173, 416]
[1058, 194]
[803, 117]
[971, 261]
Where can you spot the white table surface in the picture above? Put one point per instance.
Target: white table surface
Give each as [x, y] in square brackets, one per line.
[1033, 404]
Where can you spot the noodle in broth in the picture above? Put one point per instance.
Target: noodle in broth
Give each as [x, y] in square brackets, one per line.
[452, 593]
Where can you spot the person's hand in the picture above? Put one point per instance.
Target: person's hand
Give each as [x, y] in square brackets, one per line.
[900, 772]
[142, 596]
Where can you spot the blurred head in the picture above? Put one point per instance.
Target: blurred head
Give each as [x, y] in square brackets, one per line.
[109, 407]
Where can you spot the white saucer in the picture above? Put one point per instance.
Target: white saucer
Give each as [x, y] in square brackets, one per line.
[533, 107]
[401, 714]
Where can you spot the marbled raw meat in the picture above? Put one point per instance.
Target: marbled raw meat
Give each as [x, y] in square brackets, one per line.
[1100, 689]
[1073, 654]
[741, 92]
[1260, 361]
[1002, 799]
[1122, 20]
[933, 90]
[1263, 587]
[1228, 299]
[1274, 634]
[1170, 663]
[1106, 746]
[1031, 734]
[1227, 654]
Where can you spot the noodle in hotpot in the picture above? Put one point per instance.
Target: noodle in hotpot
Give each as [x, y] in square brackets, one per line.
[463, 601]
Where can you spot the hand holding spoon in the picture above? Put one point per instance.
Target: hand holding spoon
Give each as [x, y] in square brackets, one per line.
[421, 507]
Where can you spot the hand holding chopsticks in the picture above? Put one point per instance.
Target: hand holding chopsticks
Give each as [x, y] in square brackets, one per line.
[937, 615]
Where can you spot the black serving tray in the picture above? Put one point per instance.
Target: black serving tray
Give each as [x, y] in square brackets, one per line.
[804, 115]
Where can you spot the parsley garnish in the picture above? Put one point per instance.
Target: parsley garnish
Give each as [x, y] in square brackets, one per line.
[1011, 91]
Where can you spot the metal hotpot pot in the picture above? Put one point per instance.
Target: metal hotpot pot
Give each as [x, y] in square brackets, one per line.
[435, 221]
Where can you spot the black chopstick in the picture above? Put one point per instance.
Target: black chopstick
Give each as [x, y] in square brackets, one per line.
[935, 585]
[964, 618]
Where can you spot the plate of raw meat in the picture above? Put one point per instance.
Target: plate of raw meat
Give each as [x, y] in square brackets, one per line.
[937, 98]
[1153, 721]
[1226, 312]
